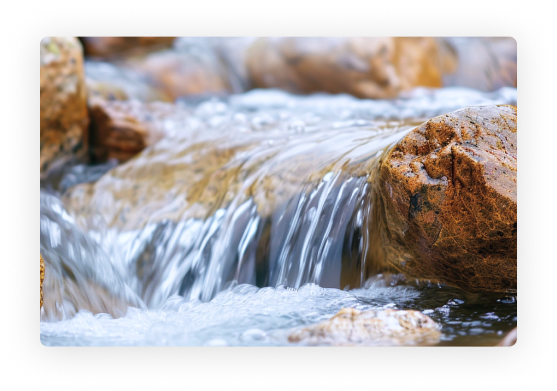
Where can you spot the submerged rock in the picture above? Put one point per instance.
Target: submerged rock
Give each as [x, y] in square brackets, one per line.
[363, 67]
[380, 328]
[64, 118]
[447, 205]
[42, 279]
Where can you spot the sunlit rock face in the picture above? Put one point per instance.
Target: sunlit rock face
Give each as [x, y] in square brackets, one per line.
[64, 118]
[447, 207]
[363, 67]
[110, 47]
[374, 328]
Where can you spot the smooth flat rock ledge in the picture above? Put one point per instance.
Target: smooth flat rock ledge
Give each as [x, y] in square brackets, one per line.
[351, 327]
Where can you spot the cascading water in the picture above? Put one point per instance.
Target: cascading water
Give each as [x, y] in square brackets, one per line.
[263, 189]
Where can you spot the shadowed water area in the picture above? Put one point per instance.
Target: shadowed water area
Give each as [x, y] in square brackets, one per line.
[252, 217]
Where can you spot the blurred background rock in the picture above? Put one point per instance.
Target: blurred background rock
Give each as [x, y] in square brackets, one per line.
[171, 69]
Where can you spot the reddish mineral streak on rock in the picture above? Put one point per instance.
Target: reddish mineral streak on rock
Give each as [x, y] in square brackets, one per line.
[447, 206]
[42, 279]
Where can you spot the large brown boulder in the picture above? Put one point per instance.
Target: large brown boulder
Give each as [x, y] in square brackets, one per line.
[447, 206]
[107, 47]
[64, 118]
[381, 327]
[363, 67]
[42, 279]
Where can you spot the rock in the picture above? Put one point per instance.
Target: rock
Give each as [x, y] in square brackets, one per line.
[107, 47]
[447, 206]
[381, 327]
[510, 338]
[42, 279]
[122, 129]
[192, 67]
[485, 64]
[64, 118]
[363, 67]
[112, 82]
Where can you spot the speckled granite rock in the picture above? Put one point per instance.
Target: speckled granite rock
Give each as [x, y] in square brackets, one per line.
[381, 328]
[64, 118]
[448, 200]
[42, 279]
[363, 67]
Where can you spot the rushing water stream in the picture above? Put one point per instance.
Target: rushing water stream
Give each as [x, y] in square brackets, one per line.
[250, 218]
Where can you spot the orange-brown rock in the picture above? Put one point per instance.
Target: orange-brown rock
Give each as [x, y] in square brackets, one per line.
[64, 118]
[122, 129]
[107, 47]
[363, 67]
[42, 279]
[180, 72]
[380, 327]
[447, 206]
[510, 338]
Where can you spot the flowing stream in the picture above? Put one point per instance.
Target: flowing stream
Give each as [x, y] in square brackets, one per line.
[250, 218]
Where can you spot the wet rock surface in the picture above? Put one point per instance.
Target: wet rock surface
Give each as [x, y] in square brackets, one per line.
[376, 328]
[64, 118]
[448, 205]
[42, 279]
[363, 67]
[122, 129]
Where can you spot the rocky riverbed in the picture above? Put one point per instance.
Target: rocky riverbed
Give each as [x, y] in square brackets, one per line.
[204, 215]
